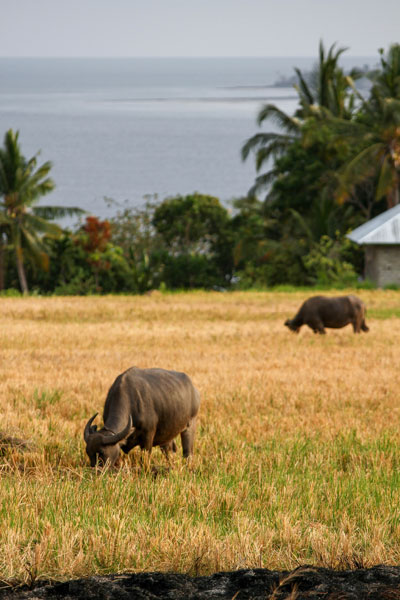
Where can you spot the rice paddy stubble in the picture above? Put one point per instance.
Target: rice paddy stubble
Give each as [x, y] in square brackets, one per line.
[296, 457]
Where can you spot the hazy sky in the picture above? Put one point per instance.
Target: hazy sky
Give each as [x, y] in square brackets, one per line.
[195, 27]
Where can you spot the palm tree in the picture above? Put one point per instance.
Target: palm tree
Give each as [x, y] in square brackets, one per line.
[322, 93]
[271, 144]
[377, 154]
[374, 137]
[387, 78]
[22, 224]
[325, 91]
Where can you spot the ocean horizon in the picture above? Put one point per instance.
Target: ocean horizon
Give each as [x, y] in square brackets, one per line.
[137, 128]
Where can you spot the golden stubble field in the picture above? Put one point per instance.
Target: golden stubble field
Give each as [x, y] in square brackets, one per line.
[297, 451]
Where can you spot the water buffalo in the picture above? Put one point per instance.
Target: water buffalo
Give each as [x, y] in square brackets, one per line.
[319, 312]
[146, 408]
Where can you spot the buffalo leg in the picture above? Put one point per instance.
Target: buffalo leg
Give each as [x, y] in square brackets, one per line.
[364, 326]
[147, 440]
[167, 448]
[317, 326]
[187, 437]
[146, 443]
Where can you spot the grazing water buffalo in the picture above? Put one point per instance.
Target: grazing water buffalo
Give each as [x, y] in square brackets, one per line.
[319, 312]
[146, 408]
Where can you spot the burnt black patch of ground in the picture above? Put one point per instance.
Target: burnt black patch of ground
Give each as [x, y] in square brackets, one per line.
[305, 583]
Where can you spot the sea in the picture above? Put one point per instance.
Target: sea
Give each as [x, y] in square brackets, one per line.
[138, 129]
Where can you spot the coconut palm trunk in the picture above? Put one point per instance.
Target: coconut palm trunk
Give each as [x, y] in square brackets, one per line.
[21, 270]
[393, 197]
[2, 262]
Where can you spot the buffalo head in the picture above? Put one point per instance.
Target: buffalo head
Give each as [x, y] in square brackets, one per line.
[292, 327]
[103, 446]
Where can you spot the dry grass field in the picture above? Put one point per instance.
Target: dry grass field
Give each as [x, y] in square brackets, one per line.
[297, 454]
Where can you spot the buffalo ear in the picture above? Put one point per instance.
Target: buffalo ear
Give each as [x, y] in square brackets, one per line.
[108, 440]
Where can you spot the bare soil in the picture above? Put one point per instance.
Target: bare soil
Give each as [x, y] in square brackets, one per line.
[376, 583]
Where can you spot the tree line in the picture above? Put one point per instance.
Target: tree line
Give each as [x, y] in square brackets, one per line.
[322, 171]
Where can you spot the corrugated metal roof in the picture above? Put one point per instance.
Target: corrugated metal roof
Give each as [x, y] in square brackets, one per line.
[383, 229]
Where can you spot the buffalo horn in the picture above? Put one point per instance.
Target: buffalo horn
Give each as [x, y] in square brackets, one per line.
[89, 429]
[107, 440]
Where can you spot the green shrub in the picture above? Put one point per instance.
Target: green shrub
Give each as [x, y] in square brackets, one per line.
[392, 286]
[325, 263]
[10, 293]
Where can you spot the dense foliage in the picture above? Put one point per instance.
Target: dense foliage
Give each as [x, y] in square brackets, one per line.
[24, 226]
[331, 166]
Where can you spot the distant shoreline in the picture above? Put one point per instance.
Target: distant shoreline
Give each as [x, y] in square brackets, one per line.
[258, 87]
[204, 99]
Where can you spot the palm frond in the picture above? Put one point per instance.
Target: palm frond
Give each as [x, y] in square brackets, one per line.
[34, 224]
[387, 178]
[262, 182]
[354, 131]
[392, 111]
[300, 220]
[274, 114]
[350, 82]
[303, 89]
[35, 183]
[363, 166]
[274, 149]
[365, 162]
[35, 246]
[261, 140]
[11, 162]
[57, 212]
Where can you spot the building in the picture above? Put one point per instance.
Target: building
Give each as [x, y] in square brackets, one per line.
[381, 238]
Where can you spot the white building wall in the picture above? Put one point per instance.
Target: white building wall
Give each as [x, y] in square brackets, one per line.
[382, 264]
